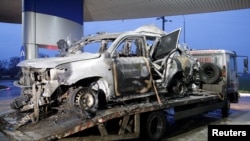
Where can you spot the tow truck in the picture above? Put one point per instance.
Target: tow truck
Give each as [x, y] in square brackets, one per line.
[126, 90]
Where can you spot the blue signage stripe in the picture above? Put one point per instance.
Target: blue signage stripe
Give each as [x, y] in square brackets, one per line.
[69, 9]
[22, 53]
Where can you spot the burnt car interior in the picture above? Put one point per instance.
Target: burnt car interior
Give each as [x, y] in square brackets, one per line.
[162, 50]
[131, 47]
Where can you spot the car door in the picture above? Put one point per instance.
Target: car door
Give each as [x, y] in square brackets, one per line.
[166, 44]
[233, 81]
[130, 68]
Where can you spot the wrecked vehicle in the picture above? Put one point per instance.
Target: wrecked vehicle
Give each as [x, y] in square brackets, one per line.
[128, 66]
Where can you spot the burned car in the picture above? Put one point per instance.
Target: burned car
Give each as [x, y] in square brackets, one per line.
[128, 66]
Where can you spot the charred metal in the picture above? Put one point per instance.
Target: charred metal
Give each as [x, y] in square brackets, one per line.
[126, 67]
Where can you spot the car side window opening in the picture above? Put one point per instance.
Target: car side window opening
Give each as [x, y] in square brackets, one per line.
[131, 47]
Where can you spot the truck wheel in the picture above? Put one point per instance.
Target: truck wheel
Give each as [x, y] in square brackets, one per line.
[85, 99]
[210, 73]
[234, 97]
[154, 127]
[225, 110]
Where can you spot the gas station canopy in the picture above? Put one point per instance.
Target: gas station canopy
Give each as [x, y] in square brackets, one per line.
[104, 10]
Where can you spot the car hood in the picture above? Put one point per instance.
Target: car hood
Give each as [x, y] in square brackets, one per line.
[55, 61]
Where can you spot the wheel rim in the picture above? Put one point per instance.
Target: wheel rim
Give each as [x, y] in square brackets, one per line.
[86, 101]
[209, 72]
[179, 88]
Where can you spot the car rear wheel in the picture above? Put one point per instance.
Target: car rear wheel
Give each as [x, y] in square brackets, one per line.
[177, 86]
[225, 110]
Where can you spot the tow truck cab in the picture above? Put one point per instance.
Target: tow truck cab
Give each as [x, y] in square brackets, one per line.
[226, 68]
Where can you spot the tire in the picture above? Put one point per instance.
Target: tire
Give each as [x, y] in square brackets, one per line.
[234, 97]
[84, 99]
[210, 73]
[177, 86]
[225, 110]
[154, 126]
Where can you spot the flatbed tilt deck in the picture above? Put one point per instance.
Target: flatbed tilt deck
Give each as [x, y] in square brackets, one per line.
[124, 121]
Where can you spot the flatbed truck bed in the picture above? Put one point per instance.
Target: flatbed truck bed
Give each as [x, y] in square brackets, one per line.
[117, 123]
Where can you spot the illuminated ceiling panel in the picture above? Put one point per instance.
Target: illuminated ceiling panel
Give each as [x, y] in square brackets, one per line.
[96, 10]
